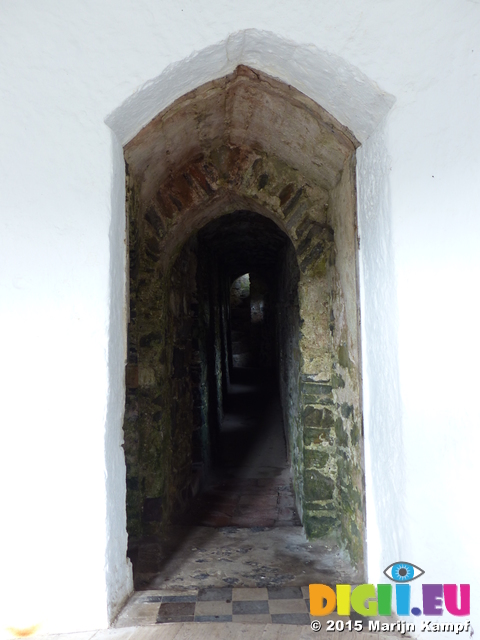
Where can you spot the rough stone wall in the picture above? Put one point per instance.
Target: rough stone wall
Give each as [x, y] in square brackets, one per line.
[226, 346]
[209, 368]
[145, 417]
[210, 364]
[318, 346]
[176, 373]
[289, 365]
[181, 329]
[333, 453]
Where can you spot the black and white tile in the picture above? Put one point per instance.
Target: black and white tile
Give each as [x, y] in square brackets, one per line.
[266, 605]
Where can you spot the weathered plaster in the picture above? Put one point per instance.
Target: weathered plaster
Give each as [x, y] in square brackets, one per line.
[342, 89]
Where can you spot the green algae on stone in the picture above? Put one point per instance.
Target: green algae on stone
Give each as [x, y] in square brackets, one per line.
[317, 485]
[315, 459]
[320, 526]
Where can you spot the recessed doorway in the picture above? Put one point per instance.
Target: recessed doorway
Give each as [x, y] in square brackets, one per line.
[243, 176]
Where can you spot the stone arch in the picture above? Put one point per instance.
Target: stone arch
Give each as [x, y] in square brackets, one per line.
[247, 142]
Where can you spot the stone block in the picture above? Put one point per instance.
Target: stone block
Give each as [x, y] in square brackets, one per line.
[355, 435]
[342, 436]
[347, 410]
[313, 417]
[131, 376]
[324, 505]
[155, 221]
[326, 401]
[293, 202]
[317, 526]
[315, 459]
[146, 377]
[337, 381]
[317, 486]
[286, 193]
[318, 436]
[316, 389]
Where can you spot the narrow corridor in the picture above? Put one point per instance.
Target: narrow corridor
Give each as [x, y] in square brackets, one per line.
[252, 487]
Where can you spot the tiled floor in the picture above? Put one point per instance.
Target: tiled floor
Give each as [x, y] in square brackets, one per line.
[269, 605]
[272, 613]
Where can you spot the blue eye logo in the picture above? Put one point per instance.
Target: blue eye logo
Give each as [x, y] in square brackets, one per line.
[403, 571]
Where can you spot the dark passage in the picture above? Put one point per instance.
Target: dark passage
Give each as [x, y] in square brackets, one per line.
[233, 320]
[252, 486]
[242, 530]
[248, 482]
[228, 517]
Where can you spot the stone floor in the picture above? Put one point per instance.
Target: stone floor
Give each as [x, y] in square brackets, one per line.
[247, 502]
[252, 484]
[199, 557]
[243, 531]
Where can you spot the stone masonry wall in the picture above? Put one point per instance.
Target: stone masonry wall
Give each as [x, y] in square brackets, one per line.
[289, 364]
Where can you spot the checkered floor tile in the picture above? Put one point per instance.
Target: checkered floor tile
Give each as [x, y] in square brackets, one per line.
[286, 605]
[281, 605]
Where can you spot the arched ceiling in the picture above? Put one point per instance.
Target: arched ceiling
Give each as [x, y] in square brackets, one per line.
[245, 109]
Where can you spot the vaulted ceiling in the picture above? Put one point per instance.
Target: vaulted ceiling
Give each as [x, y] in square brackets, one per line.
[245, 109]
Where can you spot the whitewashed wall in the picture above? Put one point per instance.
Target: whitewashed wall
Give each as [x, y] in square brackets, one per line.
[404, 75]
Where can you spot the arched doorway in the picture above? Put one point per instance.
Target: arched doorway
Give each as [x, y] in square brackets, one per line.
[243, 147]
[225, 367]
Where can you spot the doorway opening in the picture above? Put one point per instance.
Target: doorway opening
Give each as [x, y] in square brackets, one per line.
[239, 442]
[244, 181]
[250, 333]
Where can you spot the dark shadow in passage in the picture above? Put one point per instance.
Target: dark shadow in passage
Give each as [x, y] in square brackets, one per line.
[251, 486]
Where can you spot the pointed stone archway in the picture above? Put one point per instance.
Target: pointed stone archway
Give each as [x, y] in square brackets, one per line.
[244, 143]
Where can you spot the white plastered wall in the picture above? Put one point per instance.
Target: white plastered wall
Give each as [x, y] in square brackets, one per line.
[66, 69]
